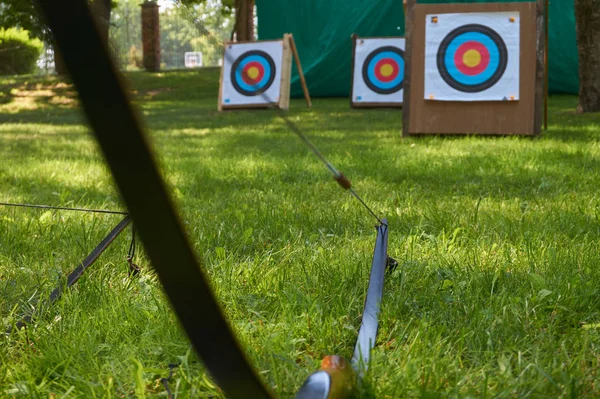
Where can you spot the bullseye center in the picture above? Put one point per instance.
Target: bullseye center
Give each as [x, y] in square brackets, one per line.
[253, 73]
[471, 58]
[387, 70]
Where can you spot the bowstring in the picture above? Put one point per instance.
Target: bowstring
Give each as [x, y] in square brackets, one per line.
[63, 208]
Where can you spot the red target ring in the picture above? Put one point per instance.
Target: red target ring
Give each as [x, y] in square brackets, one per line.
[468, 50]
[386, 70]
[250, 69]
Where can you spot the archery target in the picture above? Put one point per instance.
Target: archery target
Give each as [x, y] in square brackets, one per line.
[378, 75]
[472, 56]
[251, 69]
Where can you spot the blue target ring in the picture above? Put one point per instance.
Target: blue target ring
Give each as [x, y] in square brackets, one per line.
[383, 70]
[491, 58]
[253, 73]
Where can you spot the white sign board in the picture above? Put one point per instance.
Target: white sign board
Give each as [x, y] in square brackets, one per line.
[193, 59]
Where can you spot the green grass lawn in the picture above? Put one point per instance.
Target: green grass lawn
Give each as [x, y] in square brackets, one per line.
[497, 293]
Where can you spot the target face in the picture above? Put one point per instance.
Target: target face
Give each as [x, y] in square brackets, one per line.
[252, 73]
[383, 70]
[378, 75]
[472, 57]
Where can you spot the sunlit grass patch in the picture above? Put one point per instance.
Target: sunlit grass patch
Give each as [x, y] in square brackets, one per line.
[21, 94]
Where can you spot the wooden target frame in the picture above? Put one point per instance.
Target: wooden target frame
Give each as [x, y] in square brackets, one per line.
[282, 100]
[354, 103]
[522, 117]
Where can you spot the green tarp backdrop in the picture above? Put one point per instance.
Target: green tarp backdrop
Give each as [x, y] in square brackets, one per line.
[322, 30]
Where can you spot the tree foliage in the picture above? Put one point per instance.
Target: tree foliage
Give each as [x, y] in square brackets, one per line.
[226, 7]
[178, 33]
[23, 14]
[18, 52]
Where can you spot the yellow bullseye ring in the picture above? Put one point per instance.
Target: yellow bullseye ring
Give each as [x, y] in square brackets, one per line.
[471, 58]
[253, 73]
[386, 70]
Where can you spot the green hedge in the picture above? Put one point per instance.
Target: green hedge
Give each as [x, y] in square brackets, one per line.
[18, 52]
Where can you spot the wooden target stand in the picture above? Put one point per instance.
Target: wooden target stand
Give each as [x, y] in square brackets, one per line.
[282, 96]
[525, 116]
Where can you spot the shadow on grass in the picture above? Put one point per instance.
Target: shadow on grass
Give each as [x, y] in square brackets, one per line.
[51, 192]
[532, 170]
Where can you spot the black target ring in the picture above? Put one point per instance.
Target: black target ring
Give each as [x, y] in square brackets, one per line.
[267, 63]
[500, 67]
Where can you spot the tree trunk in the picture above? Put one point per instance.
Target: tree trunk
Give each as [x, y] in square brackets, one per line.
[59, 65]
[101, 10]
[244, 20]
[587, 15]
[151, 36]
